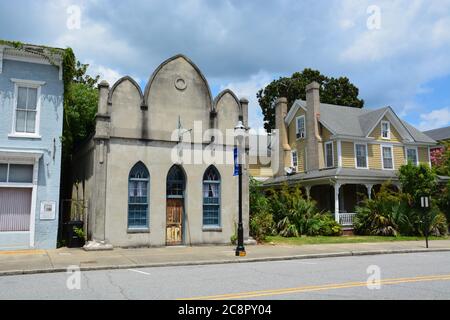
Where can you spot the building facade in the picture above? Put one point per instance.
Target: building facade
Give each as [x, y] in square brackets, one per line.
[31, 117]
[341, 154]
[140, 175]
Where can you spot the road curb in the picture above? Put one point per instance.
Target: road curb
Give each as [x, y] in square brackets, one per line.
[224, 261]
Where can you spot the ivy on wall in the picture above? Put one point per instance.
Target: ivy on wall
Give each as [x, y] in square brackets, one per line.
[80, 93]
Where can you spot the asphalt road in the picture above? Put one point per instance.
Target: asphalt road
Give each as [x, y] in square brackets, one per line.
[402, 276]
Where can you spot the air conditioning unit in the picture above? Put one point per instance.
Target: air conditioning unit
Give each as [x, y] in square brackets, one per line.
[300, 135]
[290, 170]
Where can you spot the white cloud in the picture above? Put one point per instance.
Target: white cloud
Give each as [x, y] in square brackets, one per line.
[248, 89]
[346, 24]
[235, 39]
[105, 73]
[435, 119]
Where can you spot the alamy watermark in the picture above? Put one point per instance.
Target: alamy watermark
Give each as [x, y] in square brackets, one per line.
[374, 279]
[374, 20]
[73, 281]
[74, 17]
[214, 146]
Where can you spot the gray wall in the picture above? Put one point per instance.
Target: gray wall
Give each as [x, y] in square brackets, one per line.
[138, 126]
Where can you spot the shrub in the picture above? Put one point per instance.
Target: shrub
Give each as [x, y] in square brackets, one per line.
[375, 216]
[261, 219]
[261, 225]
[392, 213]
[295, 215]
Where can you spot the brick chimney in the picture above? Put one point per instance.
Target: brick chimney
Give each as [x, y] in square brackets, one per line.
[313, 140]
[283, 146]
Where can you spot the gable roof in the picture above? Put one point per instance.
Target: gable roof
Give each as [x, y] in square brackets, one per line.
[359, 122]
[439, 134]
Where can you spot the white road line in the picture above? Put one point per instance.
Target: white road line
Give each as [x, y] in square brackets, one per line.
[138, 271]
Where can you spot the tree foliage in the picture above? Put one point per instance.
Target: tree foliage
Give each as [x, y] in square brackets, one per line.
[417, 181]
[261, 219]
[440, 159]
[400, 213]
[80, 106]
[333, 90]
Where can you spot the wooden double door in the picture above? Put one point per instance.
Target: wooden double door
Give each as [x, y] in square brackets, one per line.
[174, 221]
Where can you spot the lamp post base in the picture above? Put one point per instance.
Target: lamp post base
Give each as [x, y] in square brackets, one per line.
[240, 252]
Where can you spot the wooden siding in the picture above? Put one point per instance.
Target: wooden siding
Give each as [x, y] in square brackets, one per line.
[348, 154]
[374, 153]
[326, 137]
[399, 156]
[295, 144]
[376, 133]
[256, 171]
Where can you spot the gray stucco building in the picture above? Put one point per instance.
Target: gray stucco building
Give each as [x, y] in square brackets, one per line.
[155, 173]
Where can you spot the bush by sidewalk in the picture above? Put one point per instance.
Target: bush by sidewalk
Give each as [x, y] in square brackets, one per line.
[392, 213]
[286, 212]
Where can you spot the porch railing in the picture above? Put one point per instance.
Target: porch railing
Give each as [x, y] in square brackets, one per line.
[346, 218]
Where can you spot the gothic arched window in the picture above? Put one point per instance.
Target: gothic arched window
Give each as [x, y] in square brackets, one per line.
[138, 197]
[211, 197]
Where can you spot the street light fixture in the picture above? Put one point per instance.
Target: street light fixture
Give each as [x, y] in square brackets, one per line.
[239, 134]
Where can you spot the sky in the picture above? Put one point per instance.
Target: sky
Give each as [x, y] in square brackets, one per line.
[396, 52]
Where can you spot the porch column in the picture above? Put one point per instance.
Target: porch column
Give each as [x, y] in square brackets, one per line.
[369, 190]
[337, 186]
[308, 192]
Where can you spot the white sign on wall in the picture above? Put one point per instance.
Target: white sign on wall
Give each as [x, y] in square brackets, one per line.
[48, 210]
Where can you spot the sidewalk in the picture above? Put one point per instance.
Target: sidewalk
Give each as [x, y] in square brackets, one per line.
[41, 261]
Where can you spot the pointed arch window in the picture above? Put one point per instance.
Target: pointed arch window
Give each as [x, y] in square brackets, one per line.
[138, 199]
[175, 182]
[211, 197]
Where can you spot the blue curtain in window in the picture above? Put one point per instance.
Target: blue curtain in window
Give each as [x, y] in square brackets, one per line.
[211, 197]
[138, 197]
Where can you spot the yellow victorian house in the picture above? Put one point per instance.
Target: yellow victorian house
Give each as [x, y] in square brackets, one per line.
[341, 154]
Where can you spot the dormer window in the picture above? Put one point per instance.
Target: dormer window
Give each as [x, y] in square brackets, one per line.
[300, 127]
[385, 130]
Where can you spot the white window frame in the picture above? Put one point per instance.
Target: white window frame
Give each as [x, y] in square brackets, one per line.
[297, 128]
[417, 154]
[392, 154]
[388, 130]
[356, 157]
[326, 154]
[32, 85]
[292, 158]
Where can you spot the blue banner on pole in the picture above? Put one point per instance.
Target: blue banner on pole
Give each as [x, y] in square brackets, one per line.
[236, 161]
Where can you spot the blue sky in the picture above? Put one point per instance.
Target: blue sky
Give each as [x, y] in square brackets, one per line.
[243, 45]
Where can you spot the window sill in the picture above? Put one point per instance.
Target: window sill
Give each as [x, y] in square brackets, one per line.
[138, 230]
[24, 136]
[212, 229]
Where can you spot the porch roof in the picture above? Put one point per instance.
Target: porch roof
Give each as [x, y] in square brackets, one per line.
[335, 174]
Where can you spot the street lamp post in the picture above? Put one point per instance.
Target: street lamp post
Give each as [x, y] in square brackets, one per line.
[239, 131]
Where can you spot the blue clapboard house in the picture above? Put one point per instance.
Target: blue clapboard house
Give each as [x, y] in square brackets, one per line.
[31, 118]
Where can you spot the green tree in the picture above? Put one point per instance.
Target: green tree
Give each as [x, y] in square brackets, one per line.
[80, 107]
[333, 90]
[417, 181]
